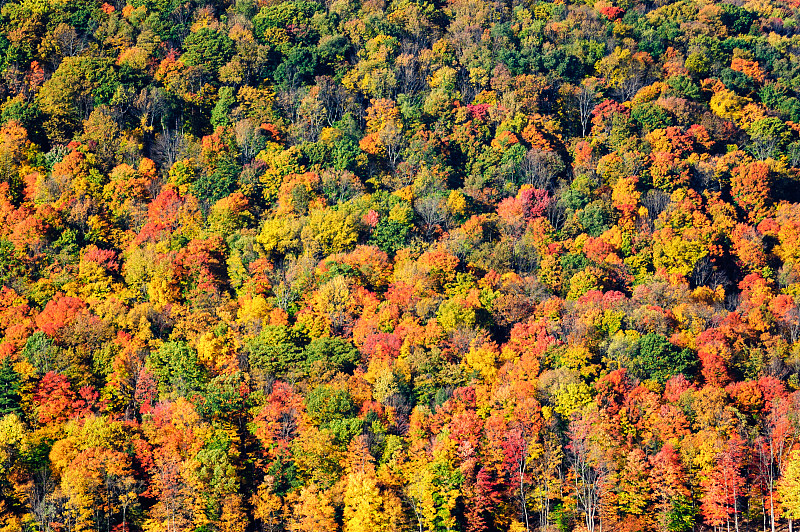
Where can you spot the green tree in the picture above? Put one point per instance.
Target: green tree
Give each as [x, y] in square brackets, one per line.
[684, 87]
[326, 404]
[297, 68]
[682, 515]
[40, 352]
[325, 356]
[281, 16]
[657, 359]
[72, 92]
[209, 49]
[10, 265]
[176, 367]
[224, 396]
[594, 218]
[276, 350]
[650, 116]
[220, 182]
[390, 235]
[9, 388]
[768, 136]
[220, 115]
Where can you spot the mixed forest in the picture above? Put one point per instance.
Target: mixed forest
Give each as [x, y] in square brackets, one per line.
[399, 265]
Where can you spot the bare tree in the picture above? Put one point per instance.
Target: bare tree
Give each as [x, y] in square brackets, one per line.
[790, 323]
[341, 186]
[632, 83]
[764, 146]
[288, 101]
[432, 210]
[655, 201]
[41, 498]
[520, 462]
[247, 138]
[393, 141]
[415, 505]
[794, 154]
[284, 290]
[766, 451]
[68, 41]
[312, 116]
[766, 136]
[703, 272]
[412, 73]
[289, 278]
[556, 212]
[539, 167]
[124, 489]
[150, 105]
[547, 468]
[335, 98]
[168, 147]
[586, 97]
[589, 472]
[172, 506]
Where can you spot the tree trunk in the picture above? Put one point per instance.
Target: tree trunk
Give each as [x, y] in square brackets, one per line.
[735, 507]
[523, 501]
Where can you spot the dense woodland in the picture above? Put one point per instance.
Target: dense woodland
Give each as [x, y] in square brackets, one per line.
[405, 265]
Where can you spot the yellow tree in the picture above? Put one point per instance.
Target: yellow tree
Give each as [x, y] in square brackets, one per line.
[96, 477]
[363, 501]
[313, 511]
[384, 131]
[789, 488]
[624, 70]
[433, 483]
[267, 506]
[684, 234]
[330, 231]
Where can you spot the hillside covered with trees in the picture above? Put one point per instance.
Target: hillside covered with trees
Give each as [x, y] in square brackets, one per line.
[404, 265]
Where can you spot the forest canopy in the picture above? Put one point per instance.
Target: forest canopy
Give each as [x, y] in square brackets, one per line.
[399, 265]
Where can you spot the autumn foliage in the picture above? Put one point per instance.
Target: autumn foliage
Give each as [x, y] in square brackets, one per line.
[373, 266]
